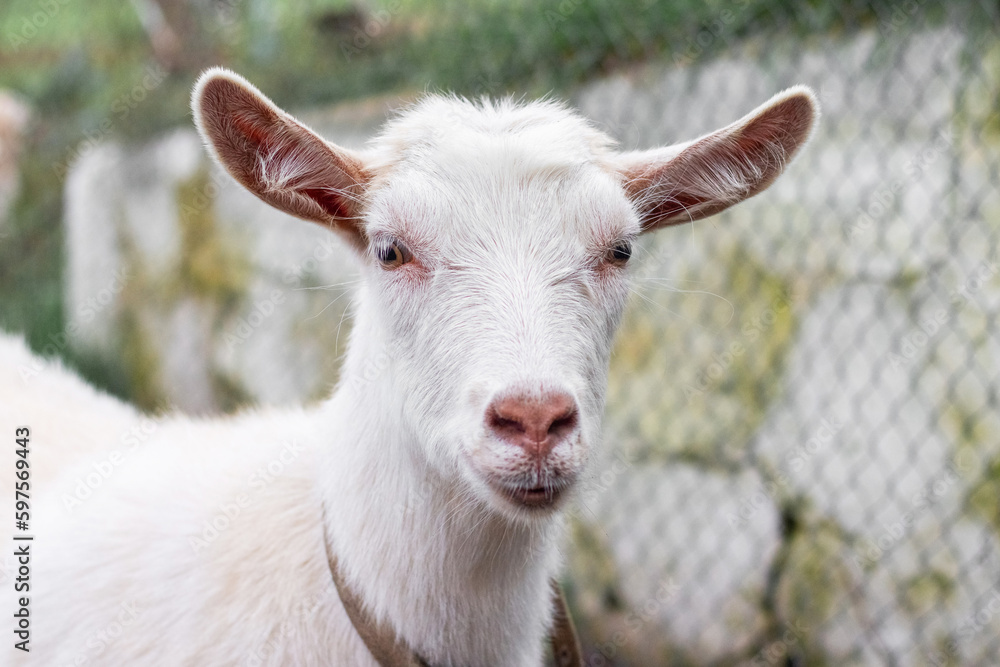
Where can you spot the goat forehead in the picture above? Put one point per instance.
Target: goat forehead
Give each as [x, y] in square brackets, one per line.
[497, 197]
[437, 122]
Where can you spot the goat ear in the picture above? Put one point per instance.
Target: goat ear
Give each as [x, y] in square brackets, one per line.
[277, 158]
[689, 181]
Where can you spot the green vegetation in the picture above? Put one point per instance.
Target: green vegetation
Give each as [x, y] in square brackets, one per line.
[86, 58]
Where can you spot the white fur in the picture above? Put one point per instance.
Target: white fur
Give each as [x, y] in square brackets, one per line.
[509, 209]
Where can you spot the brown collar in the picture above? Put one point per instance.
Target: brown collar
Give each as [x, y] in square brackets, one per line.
[389, 651]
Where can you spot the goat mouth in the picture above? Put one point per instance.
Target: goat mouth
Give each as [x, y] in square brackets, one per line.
[533, 497]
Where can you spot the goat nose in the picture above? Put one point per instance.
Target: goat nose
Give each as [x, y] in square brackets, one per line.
[534, 423]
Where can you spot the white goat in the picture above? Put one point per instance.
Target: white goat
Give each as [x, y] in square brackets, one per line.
[493, 240]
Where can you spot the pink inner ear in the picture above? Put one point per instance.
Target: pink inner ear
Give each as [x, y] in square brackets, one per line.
[250, 129]
[668, 207]
[334, 204]
[721, 169]
[279, 160]
[262, 141]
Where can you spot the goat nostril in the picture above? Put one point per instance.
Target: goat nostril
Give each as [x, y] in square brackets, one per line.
[563, 425]
[503, 424]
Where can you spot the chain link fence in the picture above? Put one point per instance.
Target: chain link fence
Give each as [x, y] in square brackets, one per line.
[803, 408]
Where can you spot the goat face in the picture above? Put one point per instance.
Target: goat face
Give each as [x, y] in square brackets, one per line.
[496, 240]
[499, 252]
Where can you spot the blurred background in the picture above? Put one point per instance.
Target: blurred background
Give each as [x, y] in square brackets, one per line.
[803, 418]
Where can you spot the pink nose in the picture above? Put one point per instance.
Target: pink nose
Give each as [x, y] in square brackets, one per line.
[536, 424]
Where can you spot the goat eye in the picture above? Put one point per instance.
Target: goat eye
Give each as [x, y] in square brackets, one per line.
[620, 252]
[393, 253]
